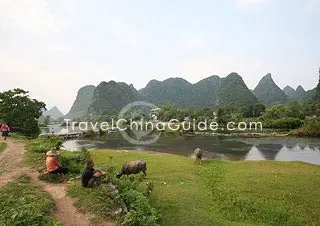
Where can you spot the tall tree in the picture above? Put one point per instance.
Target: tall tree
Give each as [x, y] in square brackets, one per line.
[20, 111]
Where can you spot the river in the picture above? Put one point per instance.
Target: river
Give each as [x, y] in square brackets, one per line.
[216, 147]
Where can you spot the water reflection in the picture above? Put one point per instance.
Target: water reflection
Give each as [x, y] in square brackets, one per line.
[282, 149]
[308, 154]
[254, 154]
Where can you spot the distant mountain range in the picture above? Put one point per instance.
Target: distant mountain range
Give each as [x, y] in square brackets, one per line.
[54, 113]
[298, 94]
[214, 91]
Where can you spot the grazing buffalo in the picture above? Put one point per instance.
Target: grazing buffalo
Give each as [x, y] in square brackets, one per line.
[133, 167]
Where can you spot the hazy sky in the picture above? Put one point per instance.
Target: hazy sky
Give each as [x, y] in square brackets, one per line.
[54, 47]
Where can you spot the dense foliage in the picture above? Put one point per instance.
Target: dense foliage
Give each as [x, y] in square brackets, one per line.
[311, 127]
[20, 111]
[24, 203]
[285, 117]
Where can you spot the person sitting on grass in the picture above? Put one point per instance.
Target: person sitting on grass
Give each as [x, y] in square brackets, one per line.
[91, 177]
[54, 166]
[5, 130]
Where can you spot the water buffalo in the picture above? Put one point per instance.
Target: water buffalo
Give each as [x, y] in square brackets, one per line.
[133, 167]
[198, 153]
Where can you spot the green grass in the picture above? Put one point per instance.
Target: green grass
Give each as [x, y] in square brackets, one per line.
[23, 203]
[226, 193]
[2, 146]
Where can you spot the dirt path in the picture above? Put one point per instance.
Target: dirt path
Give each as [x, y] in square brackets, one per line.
[11, 163]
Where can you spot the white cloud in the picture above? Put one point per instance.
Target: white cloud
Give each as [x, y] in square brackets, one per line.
[30, 15]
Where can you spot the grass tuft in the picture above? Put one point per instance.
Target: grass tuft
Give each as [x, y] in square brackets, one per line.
[23, 203]
[2, 146]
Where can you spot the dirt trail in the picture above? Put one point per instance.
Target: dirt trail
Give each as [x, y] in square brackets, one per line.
[11, 163]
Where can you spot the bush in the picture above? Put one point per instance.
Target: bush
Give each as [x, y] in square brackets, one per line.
[311, 127]
[140, 211]
[283, 123]
[23, 203]
[44, 143]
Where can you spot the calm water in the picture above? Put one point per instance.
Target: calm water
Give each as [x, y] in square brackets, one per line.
[225, 148]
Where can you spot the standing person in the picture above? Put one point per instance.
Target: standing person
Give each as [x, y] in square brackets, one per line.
[54, 166]
[91, 177]
[5, 130]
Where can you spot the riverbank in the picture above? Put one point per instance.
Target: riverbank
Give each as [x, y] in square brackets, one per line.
[225, 193]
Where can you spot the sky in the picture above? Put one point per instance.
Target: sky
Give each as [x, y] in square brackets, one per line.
[54, 47]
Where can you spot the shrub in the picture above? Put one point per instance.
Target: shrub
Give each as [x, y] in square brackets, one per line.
[283, 123]
[44, 143]
[140, 211]
[311, 127]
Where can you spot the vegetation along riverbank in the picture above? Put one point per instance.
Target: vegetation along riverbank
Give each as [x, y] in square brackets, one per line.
[179, 192]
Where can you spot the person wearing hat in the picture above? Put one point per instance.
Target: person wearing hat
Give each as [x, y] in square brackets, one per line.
[54, 166]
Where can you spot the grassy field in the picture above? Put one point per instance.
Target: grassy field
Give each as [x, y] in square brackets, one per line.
[227, 193]
[23, 203]
[2, 146]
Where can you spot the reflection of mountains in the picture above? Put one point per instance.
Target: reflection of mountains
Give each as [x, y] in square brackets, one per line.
[284, 153]
[269, 151]
[308, 154]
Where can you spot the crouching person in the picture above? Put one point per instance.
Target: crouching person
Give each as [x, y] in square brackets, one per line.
[91, 177]
[54, 166]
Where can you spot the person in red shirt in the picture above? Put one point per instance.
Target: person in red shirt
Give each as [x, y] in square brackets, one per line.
[54, 166]
[5, 130]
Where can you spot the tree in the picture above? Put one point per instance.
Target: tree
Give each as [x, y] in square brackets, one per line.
[295, 110]
[276, 112]
[20, 111]
[255, 110]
